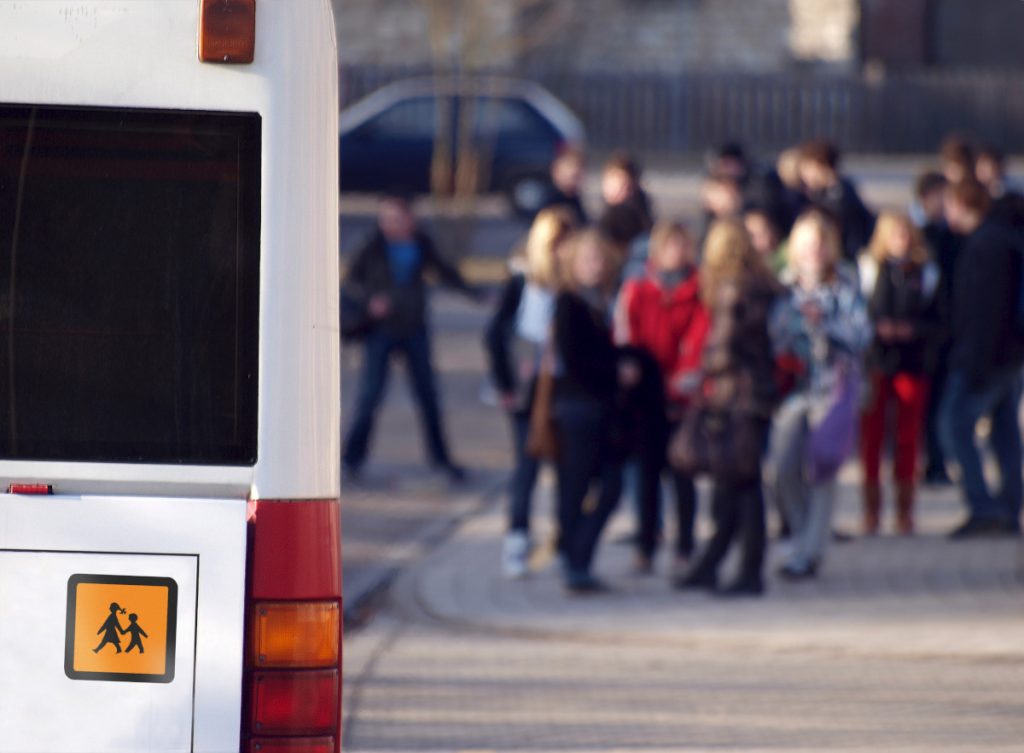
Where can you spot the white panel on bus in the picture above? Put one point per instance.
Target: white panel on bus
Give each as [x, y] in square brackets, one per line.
[43, 708]
[120, 624]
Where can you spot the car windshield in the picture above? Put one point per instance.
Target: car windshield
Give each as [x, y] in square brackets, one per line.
[129, 254]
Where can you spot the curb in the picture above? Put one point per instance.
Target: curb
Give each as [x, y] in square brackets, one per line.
[360, 606]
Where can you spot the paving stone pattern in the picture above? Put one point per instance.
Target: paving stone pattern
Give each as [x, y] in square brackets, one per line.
[903, 645]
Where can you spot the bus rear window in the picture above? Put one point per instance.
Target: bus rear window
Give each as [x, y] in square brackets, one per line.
[129, 285]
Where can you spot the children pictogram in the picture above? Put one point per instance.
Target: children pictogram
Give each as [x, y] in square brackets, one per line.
[110, 629]
[137, 634]
[142, 608]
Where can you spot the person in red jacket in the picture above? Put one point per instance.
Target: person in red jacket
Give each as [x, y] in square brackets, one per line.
[662, 316]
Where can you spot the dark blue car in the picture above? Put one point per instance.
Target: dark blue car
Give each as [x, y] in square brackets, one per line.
[484, 136]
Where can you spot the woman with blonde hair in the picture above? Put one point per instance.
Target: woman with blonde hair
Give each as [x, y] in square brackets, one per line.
[820, 330]
[900, 283]
[584, 408]
[738, 369]
[663, 322]
[515, 341]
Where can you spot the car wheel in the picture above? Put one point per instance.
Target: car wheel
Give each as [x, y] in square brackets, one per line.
[527, 194]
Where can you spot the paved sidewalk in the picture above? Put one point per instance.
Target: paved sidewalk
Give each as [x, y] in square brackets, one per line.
[904, 645]
[886, 595]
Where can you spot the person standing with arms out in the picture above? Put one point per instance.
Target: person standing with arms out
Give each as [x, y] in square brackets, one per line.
[821, 323]
[388, 277]
[739, 290]
[984, 362]
[663, 315]
[515, 341]
[584, 405]
[901, 285]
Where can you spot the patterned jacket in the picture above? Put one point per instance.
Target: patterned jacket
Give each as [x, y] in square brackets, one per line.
[841, 335]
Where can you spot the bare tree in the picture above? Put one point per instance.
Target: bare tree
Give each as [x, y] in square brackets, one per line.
[470, 38]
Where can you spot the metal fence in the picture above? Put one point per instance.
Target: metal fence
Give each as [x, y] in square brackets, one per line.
[692, 112]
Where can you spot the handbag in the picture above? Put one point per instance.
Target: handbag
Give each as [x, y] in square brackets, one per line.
[832, 439]
[723, 443]
[541, 439]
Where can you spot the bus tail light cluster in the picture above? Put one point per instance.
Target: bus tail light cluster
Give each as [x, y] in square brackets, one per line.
[227, 31]
[293, 665]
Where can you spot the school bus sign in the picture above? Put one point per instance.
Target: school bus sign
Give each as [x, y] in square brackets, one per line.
[120, 628]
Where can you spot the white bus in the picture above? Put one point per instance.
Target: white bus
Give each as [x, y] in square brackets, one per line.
[169, 377]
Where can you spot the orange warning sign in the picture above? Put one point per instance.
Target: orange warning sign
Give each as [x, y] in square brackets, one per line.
[121, 628]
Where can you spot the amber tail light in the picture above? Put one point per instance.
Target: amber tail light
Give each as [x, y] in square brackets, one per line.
[227, 31]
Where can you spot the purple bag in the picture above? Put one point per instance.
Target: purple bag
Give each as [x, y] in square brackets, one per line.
[832, 440]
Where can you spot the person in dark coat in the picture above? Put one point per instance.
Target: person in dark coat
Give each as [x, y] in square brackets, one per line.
[984, 363]
[662, 318]
[388, 278]
[721, 199]
[900, 283]
[585, 405]
[566, 188]
[738, 367]
[760, 185]
[627, 214]
[944, 245]
[829, 190]
[956, 159]
[1007, 199]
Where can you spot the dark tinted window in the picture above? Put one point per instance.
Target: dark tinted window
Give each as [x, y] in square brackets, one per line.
[410, 119]
[508, 118]
[129, 253]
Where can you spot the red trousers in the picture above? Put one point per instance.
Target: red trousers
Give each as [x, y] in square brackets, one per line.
[910, 394]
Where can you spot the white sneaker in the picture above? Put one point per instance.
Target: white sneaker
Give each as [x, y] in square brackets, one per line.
[515, 555]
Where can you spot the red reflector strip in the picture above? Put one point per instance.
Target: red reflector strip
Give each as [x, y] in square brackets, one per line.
[295, 703]
[30, 489]
[292, 745]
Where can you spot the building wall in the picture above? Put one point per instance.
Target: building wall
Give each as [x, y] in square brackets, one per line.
[692, 34]
[825, 31]
[589, 35]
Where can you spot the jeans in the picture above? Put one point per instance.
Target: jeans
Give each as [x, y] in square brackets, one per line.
[961, 409]
[524, 477]
[936, 465]
[584, 457]
[650, 498]
[808, 507]
[415, 349]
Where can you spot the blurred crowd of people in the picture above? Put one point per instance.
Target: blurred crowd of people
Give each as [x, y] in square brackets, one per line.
[764, 347]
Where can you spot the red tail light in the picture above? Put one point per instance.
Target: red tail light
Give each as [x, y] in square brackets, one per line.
[295, 703]
[293, 665]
